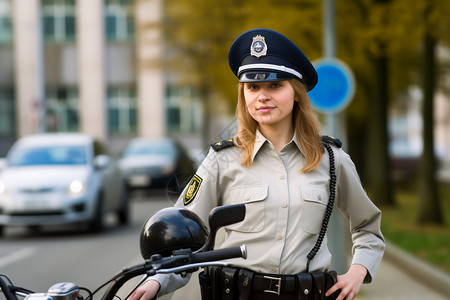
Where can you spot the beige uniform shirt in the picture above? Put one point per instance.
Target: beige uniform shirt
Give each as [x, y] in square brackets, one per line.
[284, 207]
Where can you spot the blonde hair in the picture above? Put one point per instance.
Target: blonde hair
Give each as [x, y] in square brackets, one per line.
[304, 119]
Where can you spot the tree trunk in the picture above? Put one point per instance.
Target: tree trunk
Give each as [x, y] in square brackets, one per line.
[379, 164]
[429, 208]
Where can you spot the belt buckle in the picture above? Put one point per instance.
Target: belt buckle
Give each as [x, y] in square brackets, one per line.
[275, 283]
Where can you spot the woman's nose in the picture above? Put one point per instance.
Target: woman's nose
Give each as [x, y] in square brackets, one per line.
[263, 95]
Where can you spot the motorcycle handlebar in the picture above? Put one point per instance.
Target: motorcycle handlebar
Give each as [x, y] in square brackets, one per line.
[5, 288]
[200, 259]
[165, 265]
[180, 262]
[220, 254]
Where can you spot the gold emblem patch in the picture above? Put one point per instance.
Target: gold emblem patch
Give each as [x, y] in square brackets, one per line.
[192, 189]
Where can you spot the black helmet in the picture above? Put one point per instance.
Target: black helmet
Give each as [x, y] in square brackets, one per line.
[170, 229]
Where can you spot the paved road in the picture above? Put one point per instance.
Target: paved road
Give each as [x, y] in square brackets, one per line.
[38, 260]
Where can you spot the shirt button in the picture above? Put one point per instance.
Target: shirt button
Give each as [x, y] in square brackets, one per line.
[280, 237]
[320, 197]
[247, 197]
[284, 205]
[282, 177]
[273, 270]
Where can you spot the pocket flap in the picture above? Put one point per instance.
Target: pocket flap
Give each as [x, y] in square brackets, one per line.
[314, 194]
[253, 197]
[249, 194]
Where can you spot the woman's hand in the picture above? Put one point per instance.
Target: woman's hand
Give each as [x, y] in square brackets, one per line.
[349, 283]
[147, 291]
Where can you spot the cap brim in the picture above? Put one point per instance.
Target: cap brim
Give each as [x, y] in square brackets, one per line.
[264, 76]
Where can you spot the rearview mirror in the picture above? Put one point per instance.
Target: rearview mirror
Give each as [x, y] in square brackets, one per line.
[222, 216]
[102, 161]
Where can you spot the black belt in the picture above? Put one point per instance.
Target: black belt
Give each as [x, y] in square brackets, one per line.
[230, 284]
[304, 285]
[275, 284]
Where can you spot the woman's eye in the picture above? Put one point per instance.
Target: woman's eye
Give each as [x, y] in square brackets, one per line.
[276, 85]
[252, 87]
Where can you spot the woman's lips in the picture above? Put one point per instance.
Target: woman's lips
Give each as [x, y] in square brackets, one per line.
[265, 109]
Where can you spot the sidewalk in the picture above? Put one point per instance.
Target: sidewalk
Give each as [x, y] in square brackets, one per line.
[402, 276]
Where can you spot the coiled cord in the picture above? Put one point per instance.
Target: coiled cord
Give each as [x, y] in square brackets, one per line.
[328, 211]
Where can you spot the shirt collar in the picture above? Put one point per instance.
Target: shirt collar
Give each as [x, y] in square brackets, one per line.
[260, 140]
[294, 139]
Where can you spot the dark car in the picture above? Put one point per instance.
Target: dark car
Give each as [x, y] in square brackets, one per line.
[156, 162]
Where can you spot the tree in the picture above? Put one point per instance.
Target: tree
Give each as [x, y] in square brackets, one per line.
[373, 21]
[429, 209]
[198, 34]
[379, 162]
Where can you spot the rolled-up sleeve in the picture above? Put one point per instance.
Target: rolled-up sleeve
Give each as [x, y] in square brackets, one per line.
[364, 217]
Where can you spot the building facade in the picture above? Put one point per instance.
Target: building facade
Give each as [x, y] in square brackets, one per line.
[90, 66]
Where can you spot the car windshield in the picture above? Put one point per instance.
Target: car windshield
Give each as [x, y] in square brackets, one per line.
[55, 155]
[150, 148]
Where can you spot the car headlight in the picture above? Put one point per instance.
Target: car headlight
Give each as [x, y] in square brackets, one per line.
[76, 187]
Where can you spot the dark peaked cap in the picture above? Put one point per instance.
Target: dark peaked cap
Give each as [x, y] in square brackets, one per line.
[265, 55]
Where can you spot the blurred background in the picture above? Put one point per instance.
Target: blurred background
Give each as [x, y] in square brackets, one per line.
[118, 69]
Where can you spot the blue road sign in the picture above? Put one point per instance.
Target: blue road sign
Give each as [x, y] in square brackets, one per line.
[335, 88]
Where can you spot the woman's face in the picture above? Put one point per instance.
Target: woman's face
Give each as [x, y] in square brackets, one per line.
[270, 103]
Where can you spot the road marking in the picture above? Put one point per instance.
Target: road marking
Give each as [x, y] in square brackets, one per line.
[16, 256]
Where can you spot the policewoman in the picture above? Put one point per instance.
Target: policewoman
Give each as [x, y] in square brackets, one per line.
[289, 178]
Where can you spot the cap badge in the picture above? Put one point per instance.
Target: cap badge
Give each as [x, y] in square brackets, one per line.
[258, 47]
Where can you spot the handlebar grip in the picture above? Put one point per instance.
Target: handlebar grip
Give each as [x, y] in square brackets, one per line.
[9, 295]
[220, 254]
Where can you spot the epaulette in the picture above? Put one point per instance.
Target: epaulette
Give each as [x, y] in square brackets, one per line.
[332, 140]
[222, 145]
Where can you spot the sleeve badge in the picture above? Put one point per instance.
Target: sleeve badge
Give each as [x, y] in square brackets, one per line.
[192, 189]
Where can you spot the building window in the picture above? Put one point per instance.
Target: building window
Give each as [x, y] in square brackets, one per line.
[184, 111]
[122, 112]
[7, 112]
[58, 19]
[62, 110]
[119, 20]
[5, 21]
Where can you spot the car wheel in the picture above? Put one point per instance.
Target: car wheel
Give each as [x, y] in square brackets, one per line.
[123, 213]
[96, 224]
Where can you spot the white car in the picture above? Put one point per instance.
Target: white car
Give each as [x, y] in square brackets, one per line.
[60, 178]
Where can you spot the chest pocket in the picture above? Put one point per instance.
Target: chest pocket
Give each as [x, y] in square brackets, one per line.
[253, 197]
[314, 204]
